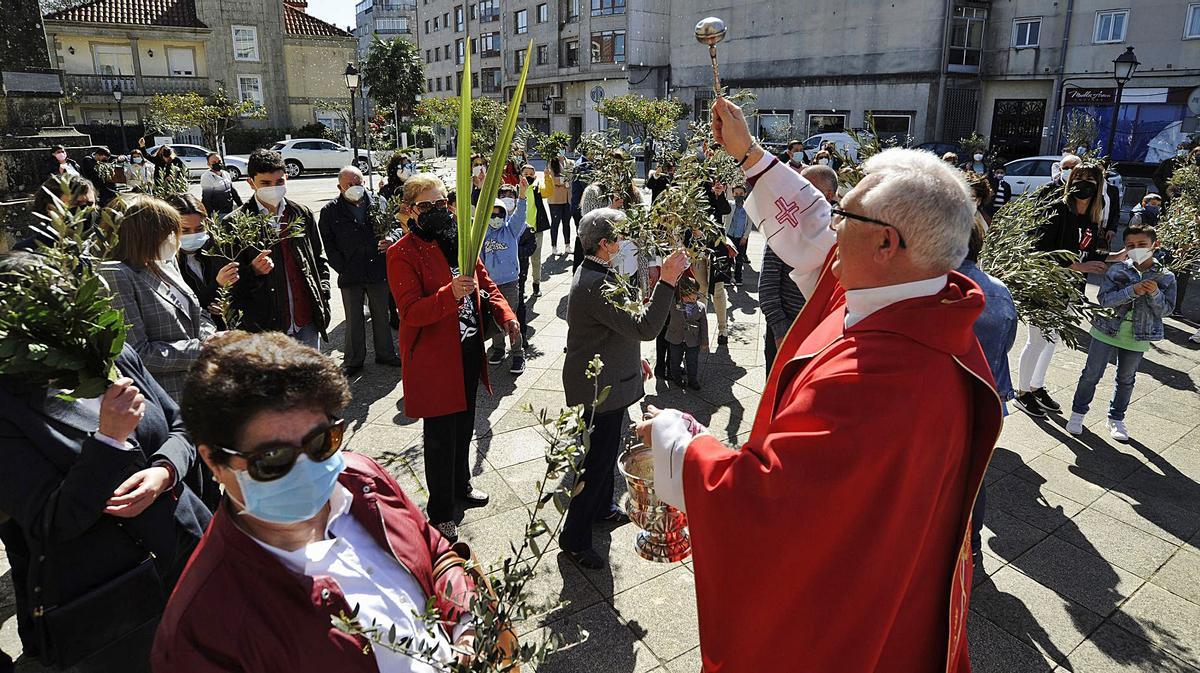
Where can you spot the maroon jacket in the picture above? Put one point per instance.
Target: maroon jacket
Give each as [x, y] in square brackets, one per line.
[237, 608]
[430, 345]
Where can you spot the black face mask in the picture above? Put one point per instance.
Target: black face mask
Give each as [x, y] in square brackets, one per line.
[438, 225]
[1083, 191]
[216, 166]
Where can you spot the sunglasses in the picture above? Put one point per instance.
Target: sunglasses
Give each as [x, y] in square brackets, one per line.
[863, 218]
[274, 460]
[426, 206]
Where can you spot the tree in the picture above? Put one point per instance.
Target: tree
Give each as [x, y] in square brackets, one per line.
[487, 118]
[214, 115]
[650, 119]
[394, 74]
[339, 107]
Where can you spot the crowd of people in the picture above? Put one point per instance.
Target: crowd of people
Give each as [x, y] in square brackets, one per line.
[204, 496]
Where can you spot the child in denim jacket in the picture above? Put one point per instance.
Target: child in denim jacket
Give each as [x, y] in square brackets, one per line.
[1140, 291]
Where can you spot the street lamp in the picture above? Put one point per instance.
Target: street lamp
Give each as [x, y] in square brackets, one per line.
[1123, 68]
[118, 95]
[352, 85]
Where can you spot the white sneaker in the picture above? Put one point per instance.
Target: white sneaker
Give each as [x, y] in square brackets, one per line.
[1075, 425]
[1195, 338]
[1118, 431]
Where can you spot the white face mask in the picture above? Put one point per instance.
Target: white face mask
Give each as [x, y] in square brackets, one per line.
[271, 195]
[509, 204]
[496, 222]
[168, 248]
[626, 259]
[62, 156]
[978, 157]
[402, 173]
[193, 242]
[1140, 255]
[355, 193]
[823, 162]
[1066, 173]
[478, 171]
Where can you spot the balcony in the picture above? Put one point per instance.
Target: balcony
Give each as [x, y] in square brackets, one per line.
[398, 5]
[134, 86]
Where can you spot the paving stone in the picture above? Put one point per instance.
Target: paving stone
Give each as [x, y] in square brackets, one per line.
[1164, 619]
[1007, 536]
[993, 650]
[1062, 478]
[1044, 509]
[1112, 460]
[1151, 514]
[503, 499]
[1010, 456]
[1114, 650]
[1077, 574]
[1118, 543]
[557, 589]
[610, 646]
[1161, 479]
[625, 568]
[665, 609]
[1033, 614]
[691, 662]
[511, 448]
[1181, 575]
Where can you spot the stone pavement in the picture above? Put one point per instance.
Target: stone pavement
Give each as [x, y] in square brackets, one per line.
[1092, 547]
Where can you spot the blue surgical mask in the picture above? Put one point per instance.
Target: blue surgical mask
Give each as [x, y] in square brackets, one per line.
[296, 496]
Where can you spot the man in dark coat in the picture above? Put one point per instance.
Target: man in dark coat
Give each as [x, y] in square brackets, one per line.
[358, 255]
[90, 169]
[287, 289]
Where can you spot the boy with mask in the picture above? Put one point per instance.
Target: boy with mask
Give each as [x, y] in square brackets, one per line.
[1001, 191]
[500, 255]
[286, 287]
[357, 253]
[1140, 291]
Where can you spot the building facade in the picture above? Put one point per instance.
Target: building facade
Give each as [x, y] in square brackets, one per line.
[385, 19]
[268, 51]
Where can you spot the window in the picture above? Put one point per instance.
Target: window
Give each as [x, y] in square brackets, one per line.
[113, 59]
[823, 122]
[605, 7]
[474, 12]
[459, 22]
[250, 88]
[966, 39]
[435, 24]
[543, 13]
[543, 55]
[446, 20]
[331, 120]
[474, 45]
[489, 44]
[428, 56]
[570, 9]
[521, 21]
[449, 83]
[608, 46]
[894, 127]
[1026, 32]
[1110, 26]
[459, 48]
[489, 11]
[181, 62]
[437, 55]
[439, 83]
[1191, 29]
[570, 53]
[362, 8]
[429, 84]
[426, 26]
[519, 59]
[245, 43]
[399, 25]
[489, 80]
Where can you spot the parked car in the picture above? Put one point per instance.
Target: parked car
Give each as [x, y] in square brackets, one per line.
[317, 154]
[844, 142]
[195, 158]
[1030, 173]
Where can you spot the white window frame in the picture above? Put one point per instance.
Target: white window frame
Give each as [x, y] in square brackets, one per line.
[1025, 21]
[112, 52]
[1193, 10]
[392, 25]
[1111, 13]
[257, 56]
[181, 50]
[810, 131]
[262, 98]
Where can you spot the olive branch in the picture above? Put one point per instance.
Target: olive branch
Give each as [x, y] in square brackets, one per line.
[235, 235]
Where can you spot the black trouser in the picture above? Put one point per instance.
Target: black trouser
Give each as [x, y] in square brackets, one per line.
[684, 355]
[769, 348]
[595, 501]
[661, 351]
[448, 443]
[381, 330]
[560, 214]
[739, 262]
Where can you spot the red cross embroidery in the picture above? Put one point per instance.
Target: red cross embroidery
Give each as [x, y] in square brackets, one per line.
[787, 212]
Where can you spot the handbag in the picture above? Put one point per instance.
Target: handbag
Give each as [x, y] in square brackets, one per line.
[86, 624]
[461, 556]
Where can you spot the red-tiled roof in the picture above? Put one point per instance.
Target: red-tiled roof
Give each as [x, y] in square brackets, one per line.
[296, 22]
[177, 13]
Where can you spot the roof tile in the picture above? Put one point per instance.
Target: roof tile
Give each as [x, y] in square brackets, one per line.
[175, 13]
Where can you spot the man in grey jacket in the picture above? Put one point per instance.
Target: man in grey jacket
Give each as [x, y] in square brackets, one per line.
[596, 327]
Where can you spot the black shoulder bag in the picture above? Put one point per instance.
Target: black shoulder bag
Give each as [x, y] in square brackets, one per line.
[100, 618]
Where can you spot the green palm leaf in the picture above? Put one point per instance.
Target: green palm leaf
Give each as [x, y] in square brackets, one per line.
[463, 175]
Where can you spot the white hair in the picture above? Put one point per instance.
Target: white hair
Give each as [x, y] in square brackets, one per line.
[350, 170]
[926, 199]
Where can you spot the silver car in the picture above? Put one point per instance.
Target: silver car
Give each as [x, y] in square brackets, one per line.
[195, 158]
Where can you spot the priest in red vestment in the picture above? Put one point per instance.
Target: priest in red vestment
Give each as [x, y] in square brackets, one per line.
[836, 540]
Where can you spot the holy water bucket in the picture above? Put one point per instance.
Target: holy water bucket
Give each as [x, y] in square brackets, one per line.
[664, 536]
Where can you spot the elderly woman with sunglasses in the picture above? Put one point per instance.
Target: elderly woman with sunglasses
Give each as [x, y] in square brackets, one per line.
[442, 310]
[305, 533]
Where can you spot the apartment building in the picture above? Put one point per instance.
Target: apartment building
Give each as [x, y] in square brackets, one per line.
[385, 19]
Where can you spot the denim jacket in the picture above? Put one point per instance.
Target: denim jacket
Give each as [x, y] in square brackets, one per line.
[996, 327]
[1116, 292]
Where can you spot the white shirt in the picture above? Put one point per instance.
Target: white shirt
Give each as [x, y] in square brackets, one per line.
[371, 578]
[277, 218]
[862, 303]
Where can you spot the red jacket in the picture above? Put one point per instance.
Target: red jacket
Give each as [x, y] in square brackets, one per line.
[430, 345]
[237, 608]
[855, 489]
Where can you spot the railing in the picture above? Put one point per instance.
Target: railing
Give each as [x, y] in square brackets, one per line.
[131, 85]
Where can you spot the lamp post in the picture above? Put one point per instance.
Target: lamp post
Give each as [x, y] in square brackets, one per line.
[352, 85]
[1123, 68]
[118, 95]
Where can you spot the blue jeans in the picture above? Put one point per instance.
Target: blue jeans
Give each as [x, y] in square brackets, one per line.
[681, 355]
[1098, 357]
[309, 335]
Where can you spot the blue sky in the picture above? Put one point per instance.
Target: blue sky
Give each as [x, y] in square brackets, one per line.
[338, 12]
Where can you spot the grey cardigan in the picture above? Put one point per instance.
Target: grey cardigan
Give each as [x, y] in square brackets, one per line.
[595, 327]
[166, 335]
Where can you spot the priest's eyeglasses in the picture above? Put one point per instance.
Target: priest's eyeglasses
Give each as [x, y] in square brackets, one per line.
[837, 212]
[273, 460]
